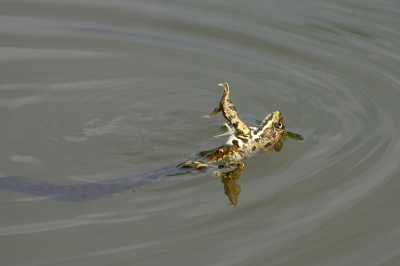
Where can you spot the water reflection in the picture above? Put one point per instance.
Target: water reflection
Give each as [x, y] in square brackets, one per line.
[232, 190]
[231, 173]
[229, 178]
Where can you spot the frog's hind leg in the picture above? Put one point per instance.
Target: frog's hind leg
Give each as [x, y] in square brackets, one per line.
[230, 113]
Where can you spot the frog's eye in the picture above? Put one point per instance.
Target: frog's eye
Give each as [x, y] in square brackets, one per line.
[278, 125]
[220, 151]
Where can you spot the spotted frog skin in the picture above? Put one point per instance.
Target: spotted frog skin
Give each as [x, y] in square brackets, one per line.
[226, 161]
[245, 142]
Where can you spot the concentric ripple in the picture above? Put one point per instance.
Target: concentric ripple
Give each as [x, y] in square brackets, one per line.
[96, 90]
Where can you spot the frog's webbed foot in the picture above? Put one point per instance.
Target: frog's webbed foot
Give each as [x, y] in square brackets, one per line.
[216, 111]
[220, 106]
[193, 164]
[225, 86]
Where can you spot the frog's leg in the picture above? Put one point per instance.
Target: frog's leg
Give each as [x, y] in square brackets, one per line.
[192, 164]
[216, 111]
[230, 113]
[212, 157]
[229, 132]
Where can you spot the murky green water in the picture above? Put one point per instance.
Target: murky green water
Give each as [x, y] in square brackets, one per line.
[94, 90]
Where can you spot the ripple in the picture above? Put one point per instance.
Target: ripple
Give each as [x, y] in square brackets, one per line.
[91, 90]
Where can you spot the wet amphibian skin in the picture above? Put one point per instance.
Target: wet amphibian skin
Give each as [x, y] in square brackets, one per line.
[245, 142]
[227, 161]
[249, 140]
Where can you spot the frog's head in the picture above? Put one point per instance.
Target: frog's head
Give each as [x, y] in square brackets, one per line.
[273, 122]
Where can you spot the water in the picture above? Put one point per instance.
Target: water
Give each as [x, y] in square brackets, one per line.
[94, 90]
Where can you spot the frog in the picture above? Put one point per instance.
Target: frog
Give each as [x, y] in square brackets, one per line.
[246, 142]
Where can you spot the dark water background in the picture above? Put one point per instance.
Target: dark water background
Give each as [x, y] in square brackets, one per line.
[94, 90]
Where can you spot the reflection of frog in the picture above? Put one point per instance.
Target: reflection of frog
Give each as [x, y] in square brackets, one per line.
[226, 161]
[229, 179]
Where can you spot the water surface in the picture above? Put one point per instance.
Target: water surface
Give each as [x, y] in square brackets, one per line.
[94, 90]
